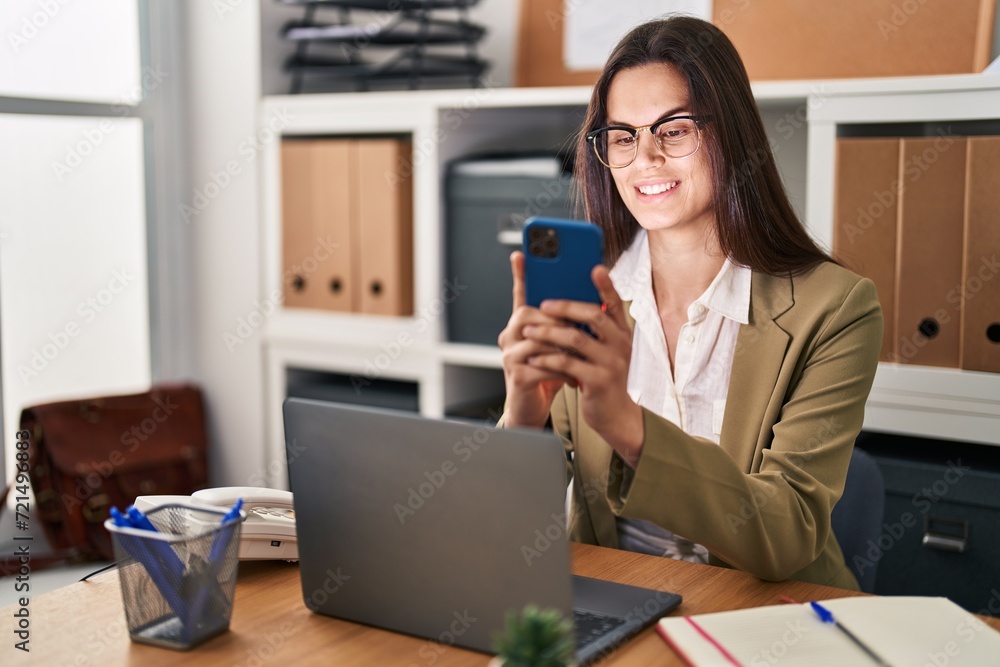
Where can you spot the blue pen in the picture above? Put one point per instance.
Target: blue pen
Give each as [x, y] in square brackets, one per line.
[152, 559]
[163, 553]
[219, 544]
[826, 616]
[138, 519]
[119, 518]
[234, 512]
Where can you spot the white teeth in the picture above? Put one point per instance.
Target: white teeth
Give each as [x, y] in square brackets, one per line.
[658, 188]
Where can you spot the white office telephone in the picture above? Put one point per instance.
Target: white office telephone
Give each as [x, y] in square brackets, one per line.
[268, 533]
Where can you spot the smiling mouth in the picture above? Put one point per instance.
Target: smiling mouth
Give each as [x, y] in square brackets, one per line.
[658, 188]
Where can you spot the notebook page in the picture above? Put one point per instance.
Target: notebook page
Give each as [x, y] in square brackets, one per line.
[919, 630]
[788, 635]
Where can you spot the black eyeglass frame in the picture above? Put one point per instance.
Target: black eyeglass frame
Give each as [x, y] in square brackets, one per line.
[634, 131]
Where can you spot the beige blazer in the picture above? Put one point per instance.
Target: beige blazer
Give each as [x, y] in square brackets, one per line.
[761, 499]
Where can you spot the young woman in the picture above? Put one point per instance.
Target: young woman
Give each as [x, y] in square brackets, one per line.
[713, 416]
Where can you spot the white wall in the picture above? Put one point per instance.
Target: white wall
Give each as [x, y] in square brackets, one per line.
[222, 72]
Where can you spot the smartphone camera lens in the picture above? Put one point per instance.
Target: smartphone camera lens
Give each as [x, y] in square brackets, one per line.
[551, 244]
[543, 242]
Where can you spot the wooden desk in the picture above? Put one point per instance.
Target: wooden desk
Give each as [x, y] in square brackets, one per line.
[84, 624]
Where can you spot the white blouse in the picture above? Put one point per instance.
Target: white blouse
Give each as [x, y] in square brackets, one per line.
[694, 396]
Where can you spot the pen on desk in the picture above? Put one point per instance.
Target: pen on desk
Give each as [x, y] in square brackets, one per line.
[826, 616]
[207, 591]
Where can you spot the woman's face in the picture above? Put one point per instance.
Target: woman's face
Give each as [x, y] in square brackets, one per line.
[661, 192]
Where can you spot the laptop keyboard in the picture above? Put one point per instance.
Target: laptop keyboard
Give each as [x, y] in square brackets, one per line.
[590, 626]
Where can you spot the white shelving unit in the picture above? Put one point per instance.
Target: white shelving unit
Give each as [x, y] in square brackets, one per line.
[803, 119]
[933, 402]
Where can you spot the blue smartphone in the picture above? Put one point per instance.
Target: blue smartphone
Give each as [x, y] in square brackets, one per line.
[558, 258]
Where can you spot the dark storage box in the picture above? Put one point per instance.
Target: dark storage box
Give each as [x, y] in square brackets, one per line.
[356, 389]
[941, 531]
[488, 199]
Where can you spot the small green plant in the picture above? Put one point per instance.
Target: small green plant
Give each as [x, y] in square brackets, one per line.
[536, 638]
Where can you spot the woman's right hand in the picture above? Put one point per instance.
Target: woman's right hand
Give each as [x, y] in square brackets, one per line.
[530, 390]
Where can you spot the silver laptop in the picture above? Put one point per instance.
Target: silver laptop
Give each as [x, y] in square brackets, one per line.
[437, 528]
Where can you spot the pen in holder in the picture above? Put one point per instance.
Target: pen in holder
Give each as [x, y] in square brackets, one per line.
[178, 575]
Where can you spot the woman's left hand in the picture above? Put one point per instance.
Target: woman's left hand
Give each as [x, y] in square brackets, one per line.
[598, 365]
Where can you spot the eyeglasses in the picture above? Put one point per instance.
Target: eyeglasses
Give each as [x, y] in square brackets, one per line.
[618, 145]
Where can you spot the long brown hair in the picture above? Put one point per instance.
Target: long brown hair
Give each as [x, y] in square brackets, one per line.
[755, 223]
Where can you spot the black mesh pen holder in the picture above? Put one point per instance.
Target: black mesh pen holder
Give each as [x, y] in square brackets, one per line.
[178, 582]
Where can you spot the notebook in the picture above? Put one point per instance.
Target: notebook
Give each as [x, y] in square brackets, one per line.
[903, 631]
[437, 528]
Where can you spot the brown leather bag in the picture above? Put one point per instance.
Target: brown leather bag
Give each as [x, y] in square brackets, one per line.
[87, 455]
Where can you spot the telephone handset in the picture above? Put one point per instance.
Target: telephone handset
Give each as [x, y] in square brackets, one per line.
[268, 533]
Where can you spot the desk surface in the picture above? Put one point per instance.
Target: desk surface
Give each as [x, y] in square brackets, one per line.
[84, 624]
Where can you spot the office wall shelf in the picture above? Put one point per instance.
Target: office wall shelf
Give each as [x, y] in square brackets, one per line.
[802, 117]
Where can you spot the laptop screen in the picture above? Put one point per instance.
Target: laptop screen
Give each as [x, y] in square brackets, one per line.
[423, 526]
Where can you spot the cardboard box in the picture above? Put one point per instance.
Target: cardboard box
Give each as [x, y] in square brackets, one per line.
[799, 39]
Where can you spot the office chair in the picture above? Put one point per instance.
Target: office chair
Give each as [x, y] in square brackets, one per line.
[857, 517]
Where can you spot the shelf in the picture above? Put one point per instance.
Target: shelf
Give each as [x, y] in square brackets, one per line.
[801, 116]
[317, 328]
[945, 403]
[466, 354]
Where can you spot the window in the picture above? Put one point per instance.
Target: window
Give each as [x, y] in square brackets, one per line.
[80, 87]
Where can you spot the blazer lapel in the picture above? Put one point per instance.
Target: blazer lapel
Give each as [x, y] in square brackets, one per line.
[760, 353]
